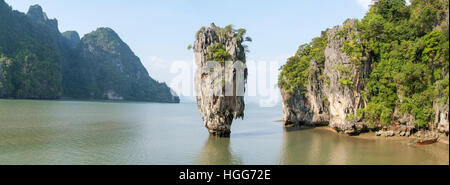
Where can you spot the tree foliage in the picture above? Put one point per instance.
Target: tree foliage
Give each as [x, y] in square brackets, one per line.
[38, 62]
[216, 51]
[411, 59]
[30, 58]
[409, 50]
[295, 73]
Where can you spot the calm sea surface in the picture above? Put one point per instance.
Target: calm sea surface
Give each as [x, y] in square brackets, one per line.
[76, 132]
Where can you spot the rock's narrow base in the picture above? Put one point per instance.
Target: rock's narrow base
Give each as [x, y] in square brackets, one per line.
[220, 133]
[220, 77]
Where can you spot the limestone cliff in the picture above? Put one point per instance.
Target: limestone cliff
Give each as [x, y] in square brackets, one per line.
[346, 78]
[308, 108]
[332, 94]
[385, 73]
[217, 50]
[441, 117]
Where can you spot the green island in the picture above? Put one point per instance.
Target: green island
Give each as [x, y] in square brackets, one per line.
[395, 64]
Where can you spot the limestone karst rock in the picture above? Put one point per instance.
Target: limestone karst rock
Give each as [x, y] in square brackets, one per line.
[39, 62]
[308, 108]
[332, 94]
[340, 80]
[111, 71]
[220, 77]
[344, 98]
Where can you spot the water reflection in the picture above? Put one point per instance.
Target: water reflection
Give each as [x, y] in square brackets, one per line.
[311, 146]
[217, 151]
[64, 132]
[320, 146]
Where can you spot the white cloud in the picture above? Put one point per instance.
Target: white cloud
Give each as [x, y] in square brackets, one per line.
[155, 63]
[157, 67]
[160, 69]
[365, 3]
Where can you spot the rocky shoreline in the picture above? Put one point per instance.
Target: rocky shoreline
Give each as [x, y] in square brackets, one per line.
[333, 91]
[391, 135]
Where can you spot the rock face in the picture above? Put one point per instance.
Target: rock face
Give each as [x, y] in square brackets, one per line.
[334, 90]
[441, 116]
[306, 109]
[333, 95]
[346, 79]
[218, 108]
[362, 76]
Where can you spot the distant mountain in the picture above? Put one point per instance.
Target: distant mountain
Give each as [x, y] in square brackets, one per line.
[39, 62]
[30, 61]
[106, 68]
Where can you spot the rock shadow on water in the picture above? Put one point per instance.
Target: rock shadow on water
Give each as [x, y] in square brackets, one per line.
[217, 151]
[298, 128]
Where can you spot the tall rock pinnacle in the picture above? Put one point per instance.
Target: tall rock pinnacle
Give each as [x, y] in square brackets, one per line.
[220, 77]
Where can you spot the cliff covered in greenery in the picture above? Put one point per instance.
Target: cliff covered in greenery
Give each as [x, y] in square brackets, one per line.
[30, 57]
[220, 78]
[39, 62]
[388, 70]
[104, 67]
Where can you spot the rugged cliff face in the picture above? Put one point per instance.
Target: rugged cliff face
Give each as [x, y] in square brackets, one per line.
[346, 77]
[441, 109]
[441, 117]
[310, 107]
[387, 71]
[332, 94]
[220, 60]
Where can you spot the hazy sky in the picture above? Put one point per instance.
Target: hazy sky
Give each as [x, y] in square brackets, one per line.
[159, 31]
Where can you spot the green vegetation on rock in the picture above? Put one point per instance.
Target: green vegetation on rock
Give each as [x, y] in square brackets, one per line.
[412, 59]
[295, 73]
[408, 47]
[30, 58]
[39, 62]
[217, 51]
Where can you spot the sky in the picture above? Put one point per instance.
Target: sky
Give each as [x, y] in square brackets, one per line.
[159, 31]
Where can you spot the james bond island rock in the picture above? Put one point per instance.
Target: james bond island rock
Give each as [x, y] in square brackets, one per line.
[39, 62]
[220, 77]
[385, 72]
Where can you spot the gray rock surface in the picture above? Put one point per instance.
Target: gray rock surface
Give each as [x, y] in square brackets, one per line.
[441, 116]
[306, 109]
[217, 108]
[344, 100]
[327, 100]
